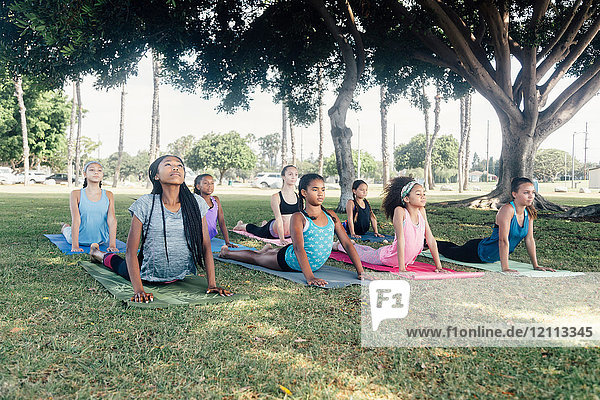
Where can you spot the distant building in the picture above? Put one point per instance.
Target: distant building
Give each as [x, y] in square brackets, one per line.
[477, 176]
[594, 174]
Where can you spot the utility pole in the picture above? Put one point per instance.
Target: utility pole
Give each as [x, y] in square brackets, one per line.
[394, 148]
[301, 143]
[487, 152]
[585, 147]
[358, 121]
[573, 162]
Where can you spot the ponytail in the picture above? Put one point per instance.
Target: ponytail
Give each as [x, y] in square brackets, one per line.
[515, 183]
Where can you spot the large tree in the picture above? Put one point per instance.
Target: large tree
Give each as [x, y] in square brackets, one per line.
[484, 41]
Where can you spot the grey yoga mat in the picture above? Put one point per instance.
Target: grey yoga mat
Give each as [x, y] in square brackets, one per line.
[335, 277]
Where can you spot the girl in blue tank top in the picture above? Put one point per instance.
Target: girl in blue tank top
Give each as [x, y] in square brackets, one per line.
[312, 232]
[92, 212]
[514, 222]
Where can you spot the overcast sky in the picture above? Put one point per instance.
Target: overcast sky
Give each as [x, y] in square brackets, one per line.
[183, 114]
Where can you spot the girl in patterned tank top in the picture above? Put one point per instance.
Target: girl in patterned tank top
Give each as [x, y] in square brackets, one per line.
[312, 236]
[404, 203]
[92, 212]
[204, 185]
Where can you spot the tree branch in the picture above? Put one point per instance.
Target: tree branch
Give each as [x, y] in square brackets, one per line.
[576, 90]
[560, 48]
[563, 28]
[351, 25]
[573, 55]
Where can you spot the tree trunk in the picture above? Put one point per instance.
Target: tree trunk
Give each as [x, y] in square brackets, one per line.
[78, 139]
[121, 134]
[461, 145]
[293, 142]
[430, 141]
[321, 130]
[70, 143]
[425, 109]
[284, 122]
[155, 112]
[18, 81]
[383, 110]
[467, 147]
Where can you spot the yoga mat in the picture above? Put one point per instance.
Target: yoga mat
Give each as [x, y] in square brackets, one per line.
[272, 241]
[216, 244]
[523, 269]
[64, 246]
[370, 237]
[191, 290]
[335, 277]
[421, 270]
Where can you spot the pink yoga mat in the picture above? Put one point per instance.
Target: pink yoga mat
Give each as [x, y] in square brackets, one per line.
[251, 236]
[421, 270]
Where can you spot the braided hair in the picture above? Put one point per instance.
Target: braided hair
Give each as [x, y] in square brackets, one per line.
[192, 219]
[304, 182]
[355, 186]
[197, 181]
[515, 183]
[392, 195]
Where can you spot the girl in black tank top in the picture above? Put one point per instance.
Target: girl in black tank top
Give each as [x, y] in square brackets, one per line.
[286, 208]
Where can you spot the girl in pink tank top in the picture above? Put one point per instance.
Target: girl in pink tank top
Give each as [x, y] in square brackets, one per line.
[404, 203]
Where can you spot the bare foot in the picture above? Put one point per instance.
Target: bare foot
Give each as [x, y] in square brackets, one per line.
[63, 226]
[263, 222]
[96, 256]
[240, 226]
[224, 251]
[335, 246]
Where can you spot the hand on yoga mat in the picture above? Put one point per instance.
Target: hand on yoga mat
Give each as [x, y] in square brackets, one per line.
[220, 291]
[316, 281]
[112, 249]
[378, 235]
[355, 236]
[142, 297]
[545, 269]
[231, 245]
[77, 249]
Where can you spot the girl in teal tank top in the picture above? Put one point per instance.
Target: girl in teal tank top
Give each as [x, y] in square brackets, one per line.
[312, 238]
[92, 212]
[514, 222]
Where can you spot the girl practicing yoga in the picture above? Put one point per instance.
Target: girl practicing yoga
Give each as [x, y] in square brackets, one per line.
[174, 236]
[404, 203]
[312, 236]
[514, 222]
[204, 185]
[92, 212]
[360, 216]
[283, 204]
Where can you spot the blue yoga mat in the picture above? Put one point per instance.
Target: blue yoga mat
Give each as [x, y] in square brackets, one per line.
[64, 246]
[335, 277]
[370, 237]
[216, 244]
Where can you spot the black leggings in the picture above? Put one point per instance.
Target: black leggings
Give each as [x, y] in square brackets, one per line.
[467, 252]
[261, 231]
[116, 264]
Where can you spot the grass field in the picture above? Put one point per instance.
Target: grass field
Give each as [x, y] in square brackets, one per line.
[63, 336]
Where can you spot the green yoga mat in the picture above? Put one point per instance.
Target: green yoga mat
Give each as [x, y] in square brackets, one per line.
[523, 269]
[191, 290]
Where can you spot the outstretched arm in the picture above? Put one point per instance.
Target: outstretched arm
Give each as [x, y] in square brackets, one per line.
[222, 225]
[531, 249]
[398, 221]
[75, 219]
[296, 227]
[278, 218]
[503, 221]
[374, 224]
[133, 265]
[111, 220]
[349, 247]
[209, 263]
[431, 243]
[350, 220]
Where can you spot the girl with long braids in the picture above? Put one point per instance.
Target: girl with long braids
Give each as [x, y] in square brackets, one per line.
[514, 222]
[312, 231]
[92, 212]
[360, 215]
[284, 204]
[171, 224]
[404, 203]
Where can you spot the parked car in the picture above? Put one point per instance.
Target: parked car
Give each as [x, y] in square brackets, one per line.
[58, 178]
[7, 176]
[267, 180]
[34, 177]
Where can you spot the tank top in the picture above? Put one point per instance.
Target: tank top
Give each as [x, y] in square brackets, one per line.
[211, 218]
[317, 243]
[414, 236]
[286, 208]
[488, 249]
[93, 214]
[362, 219]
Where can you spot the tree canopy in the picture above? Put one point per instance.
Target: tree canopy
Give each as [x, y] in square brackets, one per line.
[222, 152]
[412, 154]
